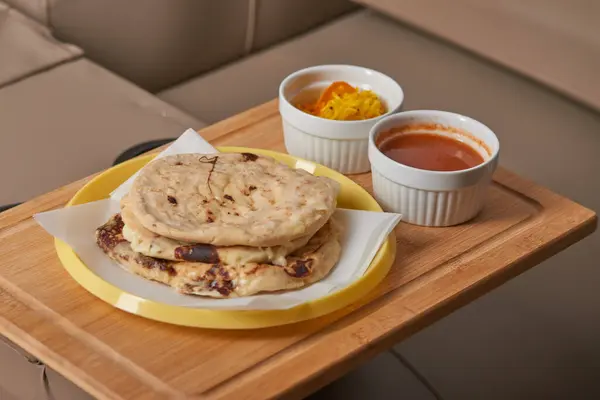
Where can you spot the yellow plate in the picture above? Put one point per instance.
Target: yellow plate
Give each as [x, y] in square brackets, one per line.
[351, 195]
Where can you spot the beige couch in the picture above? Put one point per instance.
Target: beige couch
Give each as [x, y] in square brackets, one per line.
[82, 80]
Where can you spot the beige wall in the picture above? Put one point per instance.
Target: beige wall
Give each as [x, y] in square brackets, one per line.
[556, 42]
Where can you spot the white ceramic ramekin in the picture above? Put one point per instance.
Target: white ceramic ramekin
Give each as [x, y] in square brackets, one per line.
[433, 198]
[341, 145]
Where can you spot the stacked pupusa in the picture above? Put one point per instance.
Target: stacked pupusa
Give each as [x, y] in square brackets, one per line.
[225, 225]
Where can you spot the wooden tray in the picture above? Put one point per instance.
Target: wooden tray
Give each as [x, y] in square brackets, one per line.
[115, 355]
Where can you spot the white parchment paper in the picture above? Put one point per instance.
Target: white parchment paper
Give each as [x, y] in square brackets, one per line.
[365, 232]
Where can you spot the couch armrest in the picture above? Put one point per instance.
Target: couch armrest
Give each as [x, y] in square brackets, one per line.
[27, 47]
[555, 42]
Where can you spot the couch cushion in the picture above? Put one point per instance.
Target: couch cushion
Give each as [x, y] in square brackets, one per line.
[154, 43]
[72, 121]
[278, 20]
[27, 47]
[20, 376]
[60, 387]
[36, 9]
[178, 39]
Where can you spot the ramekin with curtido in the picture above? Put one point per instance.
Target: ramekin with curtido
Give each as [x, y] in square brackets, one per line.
[328, 111]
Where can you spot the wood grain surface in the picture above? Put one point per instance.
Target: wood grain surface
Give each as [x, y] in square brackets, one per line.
[115, 355]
